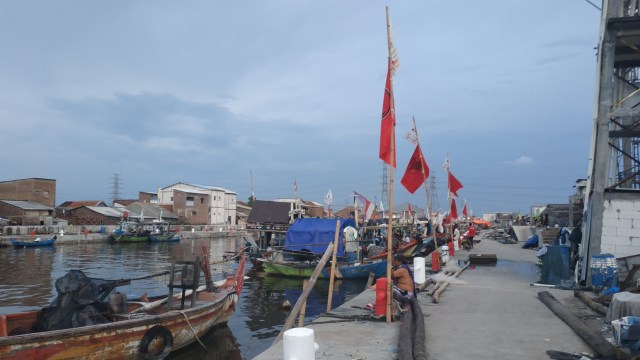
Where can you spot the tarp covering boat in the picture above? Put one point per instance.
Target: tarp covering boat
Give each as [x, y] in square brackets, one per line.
[314, 235]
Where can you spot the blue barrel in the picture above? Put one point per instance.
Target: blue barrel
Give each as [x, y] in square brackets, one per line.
[604, 271]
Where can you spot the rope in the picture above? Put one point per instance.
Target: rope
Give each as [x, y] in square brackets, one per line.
[229, 258]
[193, 331]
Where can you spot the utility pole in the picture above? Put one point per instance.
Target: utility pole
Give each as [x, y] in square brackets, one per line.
[435, 204]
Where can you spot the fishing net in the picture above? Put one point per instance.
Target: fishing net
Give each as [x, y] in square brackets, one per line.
[80, 302]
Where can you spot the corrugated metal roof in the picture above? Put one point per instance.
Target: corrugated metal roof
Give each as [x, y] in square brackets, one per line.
[27, 205]
[108, 211]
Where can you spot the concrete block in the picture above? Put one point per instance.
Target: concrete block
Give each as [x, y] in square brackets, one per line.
[629, 215]
[609, 231]
[622, 205]
[607, 249]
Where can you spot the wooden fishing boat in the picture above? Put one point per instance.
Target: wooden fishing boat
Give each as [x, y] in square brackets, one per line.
[143, 331]
[34, 243]
[166, 237]
[343, 271]
[130, 231]
[405, 249]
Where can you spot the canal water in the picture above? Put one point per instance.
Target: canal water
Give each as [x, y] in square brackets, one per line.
[28, 275]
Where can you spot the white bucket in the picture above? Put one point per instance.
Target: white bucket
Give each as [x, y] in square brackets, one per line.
[299, 344]
[419, 276]
[444, 253]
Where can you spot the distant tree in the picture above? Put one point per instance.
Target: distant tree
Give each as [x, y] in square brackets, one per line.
[252, 199]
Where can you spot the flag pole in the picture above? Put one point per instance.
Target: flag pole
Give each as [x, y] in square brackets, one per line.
[390, 227]
[450, 198]
[426, 186]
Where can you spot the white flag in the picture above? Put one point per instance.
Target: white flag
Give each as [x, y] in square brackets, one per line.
[328, 199]
[393, 53]
[381, 207]
[412, 136]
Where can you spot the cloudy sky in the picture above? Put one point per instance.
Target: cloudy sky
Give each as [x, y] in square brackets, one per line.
[209, 92]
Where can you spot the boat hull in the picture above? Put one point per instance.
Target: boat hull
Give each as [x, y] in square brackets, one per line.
[129, 238]
[305, 270]
[123, 338]
[119, 339]
[165, 238]
[17, 243]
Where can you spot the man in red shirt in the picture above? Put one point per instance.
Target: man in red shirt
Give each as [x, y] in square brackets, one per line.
[471, 232]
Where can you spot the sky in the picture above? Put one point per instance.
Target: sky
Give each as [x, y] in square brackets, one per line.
[221, 93]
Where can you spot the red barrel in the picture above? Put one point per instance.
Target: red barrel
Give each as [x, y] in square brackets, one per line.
[435, 262]
[381, 296]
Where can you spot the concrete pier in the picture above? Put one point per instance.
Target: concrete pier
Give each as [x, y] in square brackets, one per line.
[496, 314]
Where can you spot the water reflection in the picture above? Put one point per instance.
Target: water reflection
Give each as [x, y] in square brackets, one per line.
[27, 282]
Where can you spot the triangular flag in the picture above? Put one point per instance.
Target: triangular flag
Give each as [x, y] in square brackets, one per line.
[464, 210]
[417, 171]
[454, 184]
[328, 199]
[368, 207]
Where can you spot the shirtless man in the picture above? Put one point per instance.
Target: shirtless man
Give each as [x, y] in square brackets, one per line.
[403, 284]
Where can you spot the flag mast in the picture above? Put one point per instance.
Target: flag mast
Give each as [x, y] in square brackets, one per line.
[426, 186]
[392, 150]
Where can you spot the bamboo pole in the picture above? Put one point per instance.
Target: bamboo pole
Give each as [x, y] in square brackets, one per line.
[426, 187]
[393, 153]
[334, 260]
[305, 284]
[305, 293]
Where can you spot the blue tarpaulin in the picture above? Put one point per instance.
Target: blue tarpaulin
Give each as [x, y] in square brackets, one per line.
[314, 235]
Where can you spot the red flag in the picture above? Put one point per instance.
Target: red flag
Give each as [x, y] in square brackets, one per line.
[454, 184]
[454, 209]
[464, 209]
[413, 176]
[387, 126]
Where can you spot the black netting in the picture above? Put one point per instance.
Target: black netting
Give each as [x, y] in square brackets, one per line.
[80, 302]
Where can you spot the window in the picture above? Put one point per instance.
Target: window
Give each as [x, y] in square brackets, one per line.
[201, 200]
[45, 194]
[189, 201]
[193, 213]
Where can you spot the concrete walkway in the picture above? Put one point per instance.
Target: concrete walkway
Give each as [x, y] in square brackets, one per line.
[495, 315]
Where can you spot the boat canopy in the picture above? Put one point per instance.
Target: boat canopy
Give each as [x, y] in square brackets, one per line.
[315, 235]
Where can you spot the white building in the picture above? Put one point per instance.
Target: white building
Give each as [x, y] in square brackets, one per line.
[200, 204]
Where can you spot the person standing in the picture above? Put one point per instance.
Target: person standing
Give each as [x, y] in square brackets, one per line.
[471, 233]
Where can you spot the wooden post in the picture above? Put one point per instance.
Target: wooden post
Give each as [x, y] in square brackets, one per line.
[393, 153]
[305, 284]
[305, 293]
[333, 264]
[591, 337]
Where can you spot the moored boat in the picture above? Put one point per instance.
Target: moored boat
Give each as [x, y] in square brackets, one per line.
[36, 242]
[166, 237]
[343, 271]
[149, 330]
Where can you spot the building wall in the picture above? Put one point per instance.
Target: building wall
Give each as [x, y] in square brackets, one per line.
[230, 200]
[84, 216]
[193, 207]
[221, 204]
[148, 197]
[621, 227]
[41, 191]
[26, 217]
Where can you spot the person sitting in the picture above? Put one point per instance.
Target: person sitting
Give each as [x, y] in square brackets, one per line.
[404, 288]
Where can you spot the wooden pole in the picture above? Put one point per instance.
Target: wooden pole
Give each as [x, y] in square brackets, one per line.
[393, 153]
[591, 337]
[305, 293]
[426, 187]
[305, 284]
[334, 260]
